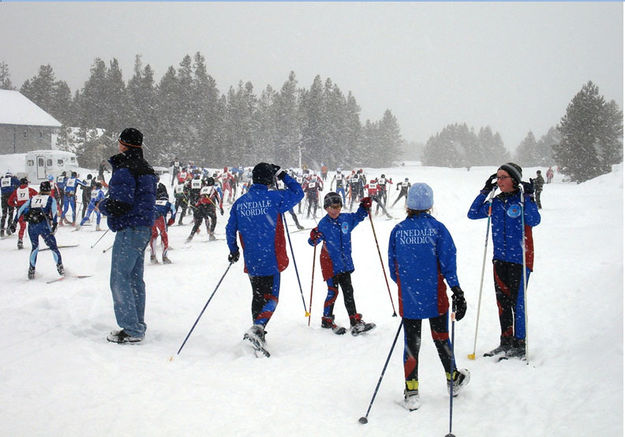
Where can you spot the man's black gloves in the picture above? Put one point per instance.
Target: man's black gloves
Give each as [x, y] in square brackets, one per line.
[528, 187]
[233, 256]
[279, 172]
[459, 304]
[54, 227]
[491, 183]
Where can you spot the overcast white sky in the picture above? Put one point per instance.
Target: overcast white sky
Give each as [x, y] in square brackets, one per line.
[512, 66]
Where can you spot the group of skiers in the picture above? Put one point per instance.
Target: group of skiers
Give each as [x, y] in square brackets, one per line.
[421, 251]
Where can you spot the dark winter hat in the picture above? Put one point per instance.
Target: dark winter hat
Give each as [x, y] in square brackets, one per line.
[131, 137]
[513, 170]
[262, 174]
[44, 187]
[23, 181]
[420, 197]
[161, 191]
[332, 198]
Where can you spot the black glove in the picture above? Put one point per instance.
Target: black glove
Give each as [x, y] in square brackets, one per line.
[233, 256]
[459, 304]
[54, 227]
[278, 172]
[491, 183]
[528, 187]
[221, 210]
[13, 227]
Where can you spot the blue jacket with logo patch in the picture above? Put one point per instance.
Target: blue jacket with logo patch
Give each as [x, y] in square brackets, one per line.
[336, 253]
[421, 253]
[507, 226]
[257, 217]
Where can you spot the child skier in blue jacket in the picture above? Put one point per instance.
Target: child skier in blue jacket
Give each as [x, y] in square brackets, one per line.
[421, 253]
[335, 230]
[512, 237]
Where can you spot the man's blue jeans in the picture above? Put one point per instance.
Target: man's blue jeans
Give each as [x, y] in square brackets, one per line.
[127, 283]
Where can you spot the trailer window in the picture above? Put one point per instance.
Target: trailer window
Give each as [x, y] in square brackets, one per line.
[30, 162]
[40, 162]
[49, 163]
[59, 162]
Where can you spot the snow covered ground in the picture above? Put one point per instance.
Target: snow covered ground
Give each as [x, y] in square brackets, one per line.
[59, 376]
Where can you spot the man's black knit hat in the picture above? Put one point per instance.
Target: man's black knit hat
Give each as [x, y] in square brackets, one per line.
[513, 170]
[263, 173]
[131, 137]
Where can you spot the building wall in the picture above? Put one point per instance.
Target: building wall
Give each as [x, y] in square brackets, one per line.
[21, 139]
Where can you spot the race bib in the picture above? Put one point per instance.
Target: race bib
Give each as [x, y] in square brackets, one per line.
[161, 202]
[6, 182]
[39, 201]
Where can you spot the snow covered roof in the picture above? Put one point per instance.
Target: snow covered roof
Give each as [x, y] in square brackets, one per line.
[15, 108]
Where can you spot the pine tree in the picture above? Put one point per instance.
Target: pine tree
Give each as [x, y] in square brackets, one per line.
[591, 133]
[5, 77]
[527, 152]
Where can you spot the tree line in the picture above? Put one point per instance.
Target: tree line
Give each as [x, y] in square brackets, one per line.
[184, 115]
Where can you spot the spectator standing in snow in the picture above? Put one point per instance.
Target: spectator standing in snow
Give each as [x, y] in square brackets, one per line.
[129, 208]
[538, 183]
[421, 253]
[335, 230]
[257, 218]
[508, 249]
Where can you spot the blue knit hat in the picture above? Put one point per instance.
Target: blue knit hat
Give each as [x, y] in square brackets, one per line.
[420, 197]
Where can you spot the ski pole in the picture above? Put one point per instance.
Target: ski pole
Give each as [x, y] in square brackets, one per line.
[101, 236]
[107, 249]
[364, 419]
[312, 282]
[479, 299]
[203, 309]
[453, 365]
[527, 357]
[382, 264]
[301, 292]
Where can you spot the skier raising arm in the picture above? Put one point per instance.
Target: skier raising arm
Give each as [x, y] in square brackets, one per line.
[257, 218]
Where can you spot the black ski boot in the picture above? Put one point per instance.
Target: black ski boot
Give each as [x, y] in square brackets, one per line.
[517, 350]
[20, 244]
[31, 272]
[328, 323]
[358, 325]
[504, 345]
[60, 269]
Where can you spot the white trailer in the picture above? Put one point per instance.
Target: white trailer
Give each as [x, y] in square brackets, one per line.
[42, 163]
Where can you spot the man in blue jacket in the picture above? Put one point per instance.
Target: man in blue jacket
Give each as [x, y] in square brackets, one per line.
[257, 217]
[513, 214]
[129, 208]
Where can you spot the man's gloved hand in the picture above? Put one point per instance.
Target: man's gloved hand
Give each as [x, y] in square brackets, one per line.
[171, 221]
[528, 187]
[234, 256]
[366, 203]
[491, 183]
[278, 172]
[315, 235]
[459, 304]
